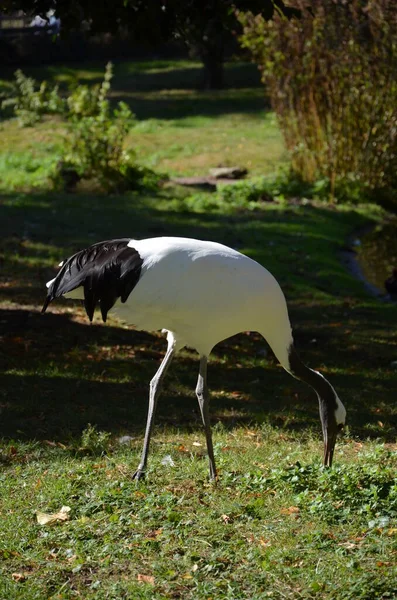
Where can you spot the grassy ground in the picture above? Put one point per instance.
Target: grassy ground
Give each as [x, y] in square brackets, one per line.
[180, 130]
[276, 525]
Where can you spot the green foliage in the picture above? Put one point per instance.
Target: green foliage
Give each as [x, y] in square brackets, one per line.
[26, 171]
[94, 146]
[93, 441]
[89, 101]
[332, 79]
[30, 101]
[369, 490]
[279, 187]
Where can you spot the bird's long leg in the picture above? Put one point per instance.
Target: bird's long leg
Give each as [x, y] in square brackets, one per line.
[203, 399]
[155, 389]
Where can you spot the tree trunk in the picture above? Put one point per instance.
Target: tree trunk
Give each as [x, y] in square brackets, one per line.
[213, 73]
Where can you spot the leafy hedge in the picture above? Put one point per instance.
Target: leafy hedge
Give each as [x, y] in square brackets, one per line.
[332, 78]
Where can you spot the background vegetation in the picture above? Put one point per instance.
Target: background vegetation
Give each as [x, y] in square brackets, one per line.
[332, 78]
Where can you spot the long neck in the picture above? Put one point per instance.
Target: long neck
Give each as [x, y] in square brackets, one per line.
[325, 392]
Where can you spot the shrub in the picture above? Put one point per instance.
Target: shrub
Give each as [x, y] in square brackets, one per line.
[86, 101]
[94, 147]
[93, 441]
[29, 101]
[332, 78]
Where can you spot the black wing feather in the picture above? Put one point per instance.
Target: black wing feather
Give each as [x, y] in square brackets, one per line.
[106, 270]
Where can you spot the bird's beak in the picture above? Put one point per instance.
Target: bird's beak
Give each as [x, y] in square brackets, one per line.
[329, 447]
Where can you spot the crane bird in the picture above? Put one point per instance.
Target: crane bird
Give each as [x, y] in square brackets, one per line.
[199, 293]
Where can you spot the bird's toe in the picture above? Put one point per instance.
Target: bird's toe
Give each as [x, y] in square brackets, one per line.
[139, 474]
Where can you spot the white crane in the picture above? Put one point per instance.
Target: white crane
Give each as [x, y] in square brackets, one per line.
[200, 293]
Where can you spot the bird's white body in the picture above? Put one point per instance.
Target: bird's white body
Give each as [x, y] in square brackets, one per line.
[204, 292]
[201, 293]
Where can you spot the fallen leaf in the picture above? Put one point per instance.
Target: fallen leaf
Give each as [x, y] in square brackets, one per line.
[139, 494]
[18, 577]
[197, 444]
[194, 568]
[348, 545]
[225, 518]
[265, 543]
[145, 578]
[51, 518]
[291, 510]
[72, 558]
[392, 531]
[154, 533]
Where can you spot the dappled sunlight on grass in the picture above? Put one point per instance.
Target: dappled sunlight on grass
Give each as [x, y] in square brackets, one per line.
[336, 327]
[277, 524]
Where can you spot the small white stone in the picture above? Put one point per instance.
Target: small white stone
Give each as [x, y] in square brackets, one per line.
[167, 461]
[125, 439]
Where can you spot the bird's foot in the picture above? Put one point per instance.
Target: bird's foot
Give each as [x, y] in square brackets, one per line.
[213, 477]
[139, 474]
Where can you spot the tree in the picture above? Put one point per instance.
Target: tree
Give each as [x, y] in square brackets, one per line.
[206, 27]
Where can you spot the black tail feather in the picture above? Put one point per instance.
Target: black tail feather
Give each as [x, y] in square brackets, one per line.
[107, 271]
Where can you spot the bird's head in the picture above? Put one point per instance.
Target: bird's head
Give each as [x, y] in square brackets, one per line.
[333, 418]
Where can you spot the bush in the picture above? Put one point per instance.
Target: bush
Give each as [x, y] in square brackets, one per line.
[86, 101]
[94, 147]
[94, 442]
[332, 78]
[95, 141]
[29, 101]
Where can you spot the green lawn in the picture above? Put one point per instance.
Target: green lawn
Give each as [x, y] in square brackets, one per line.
[277, 525]
[180, 130]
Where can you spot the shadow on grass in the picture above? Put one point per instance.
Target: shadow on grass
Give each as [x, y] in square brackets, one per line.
[141, 75]
[176, 82]
[182, 104]
[59, 374]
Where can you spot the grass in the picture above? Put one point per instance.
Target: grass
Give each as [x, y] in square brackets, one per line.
[180, 129]
[277, 525]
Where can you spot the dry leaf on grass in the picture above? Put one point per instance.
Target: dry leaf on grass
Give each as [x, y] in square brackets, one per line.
[145, 578]
[19, 577]
[182, 448]
[51, 518]
[291, 510]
